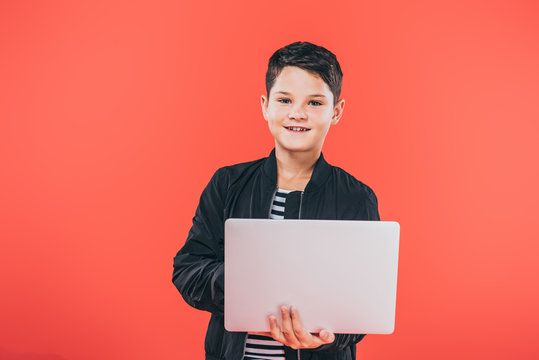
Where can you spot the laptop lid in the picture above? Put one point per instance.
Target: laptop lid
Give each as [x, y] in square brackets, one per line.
[340, 274]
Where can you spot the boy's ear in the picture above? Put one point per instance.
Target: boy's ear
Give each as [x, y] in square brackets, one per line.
[337, 112]
[264, 105]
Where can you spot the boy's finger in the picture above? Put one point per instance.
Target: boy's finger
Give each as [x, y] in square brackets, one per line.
[327, 336]
[302, 335]
[287, 328]
[275, 332]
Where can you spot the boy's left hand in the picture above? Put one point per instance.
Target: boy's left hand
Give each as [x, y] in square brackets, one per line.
[293, 334]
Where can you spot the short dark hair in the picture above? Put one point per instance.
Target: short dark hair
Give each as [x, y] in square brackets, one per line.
[309, 57]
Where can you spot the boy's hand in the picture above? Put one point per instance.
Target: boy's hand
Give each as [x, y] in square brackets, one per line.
[293, 334]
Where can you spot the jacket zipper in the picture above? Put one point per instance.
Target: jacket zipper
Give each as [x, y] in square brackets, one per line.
[300, 201]
[244, 344]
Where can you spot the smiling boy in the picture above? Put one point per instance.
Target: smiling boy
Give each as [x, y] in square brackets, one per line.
[303, 85]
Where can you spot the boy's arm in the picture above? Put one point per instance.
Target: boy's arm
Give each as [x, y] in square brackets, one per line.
[370, 208]
[199, 266]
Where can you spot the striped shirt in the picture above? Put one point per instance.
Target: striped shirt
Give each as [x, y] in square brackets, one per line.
[277, 207]
[258, 346]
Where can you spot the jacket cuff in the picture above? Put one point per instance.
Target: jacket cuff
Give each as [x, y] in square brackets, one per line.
[341, 341]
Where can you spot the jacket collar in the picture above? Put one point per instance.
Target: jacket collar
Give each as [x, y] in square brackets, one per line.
[320, 173]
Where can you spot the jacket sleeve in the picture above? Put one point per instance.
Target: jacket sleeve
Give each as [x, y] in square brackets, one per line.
[371, 206]
[199, 265]
[368, 211]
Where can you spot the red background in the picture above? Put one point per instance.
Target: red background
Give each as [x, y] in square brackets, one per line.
[114, 115]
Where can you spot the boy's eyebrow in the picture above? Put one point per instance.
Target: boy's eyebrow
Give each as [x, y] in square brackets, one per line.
[312, 95]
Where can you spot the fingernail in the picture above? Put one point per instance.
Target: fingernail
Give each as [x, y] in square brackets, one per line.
[324, 334]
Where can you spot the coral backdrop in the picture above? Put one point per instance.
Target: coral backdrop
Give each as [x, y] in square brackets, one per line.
[115, 114]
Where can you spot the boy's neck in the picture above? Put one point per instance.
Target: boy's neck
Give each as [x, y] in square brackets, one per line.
[294, 169]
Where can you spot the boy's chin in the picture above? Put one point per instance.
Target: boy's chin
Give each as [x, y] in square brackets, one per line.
[294, 148]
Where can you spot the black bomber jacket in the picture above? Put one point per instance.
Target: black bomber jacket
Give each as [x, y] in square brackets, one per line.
[246, 190]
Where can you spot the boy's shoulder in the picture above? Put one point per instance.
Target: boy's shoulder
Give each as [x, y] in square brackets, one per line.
[355, 196]
[238, 170]
[350, 183]
[229, 174]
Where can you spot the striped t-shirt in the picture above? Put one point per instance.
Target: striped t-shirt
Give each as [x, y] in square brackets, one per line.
[258, 346]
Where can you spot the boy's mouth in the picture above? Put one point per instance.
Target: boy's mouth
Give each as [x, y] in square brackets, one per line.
[296, 128]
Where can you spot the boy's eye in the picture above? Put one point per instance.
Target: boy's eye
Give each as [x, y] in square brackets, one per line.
[287, 101]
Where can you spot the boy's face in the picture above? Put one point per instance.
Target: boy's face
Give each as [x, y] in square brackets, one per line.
[300, 110]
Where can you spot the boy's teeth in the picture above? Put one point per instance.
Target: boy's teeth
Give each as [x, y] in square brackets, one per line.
[297, 129]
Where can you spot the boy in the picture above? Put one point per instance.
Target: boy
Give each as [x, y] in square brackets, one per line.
[303, 84]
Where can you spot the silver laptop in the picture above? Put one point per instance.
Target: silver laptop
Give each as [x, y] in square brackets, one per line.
[340, 274]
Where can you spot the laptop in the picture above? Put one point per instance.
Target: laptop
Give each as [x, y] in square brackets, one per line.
[341, 275]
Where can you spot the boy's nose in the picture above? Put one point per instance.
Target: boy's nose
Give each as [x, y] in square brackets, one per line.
[297, 115]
